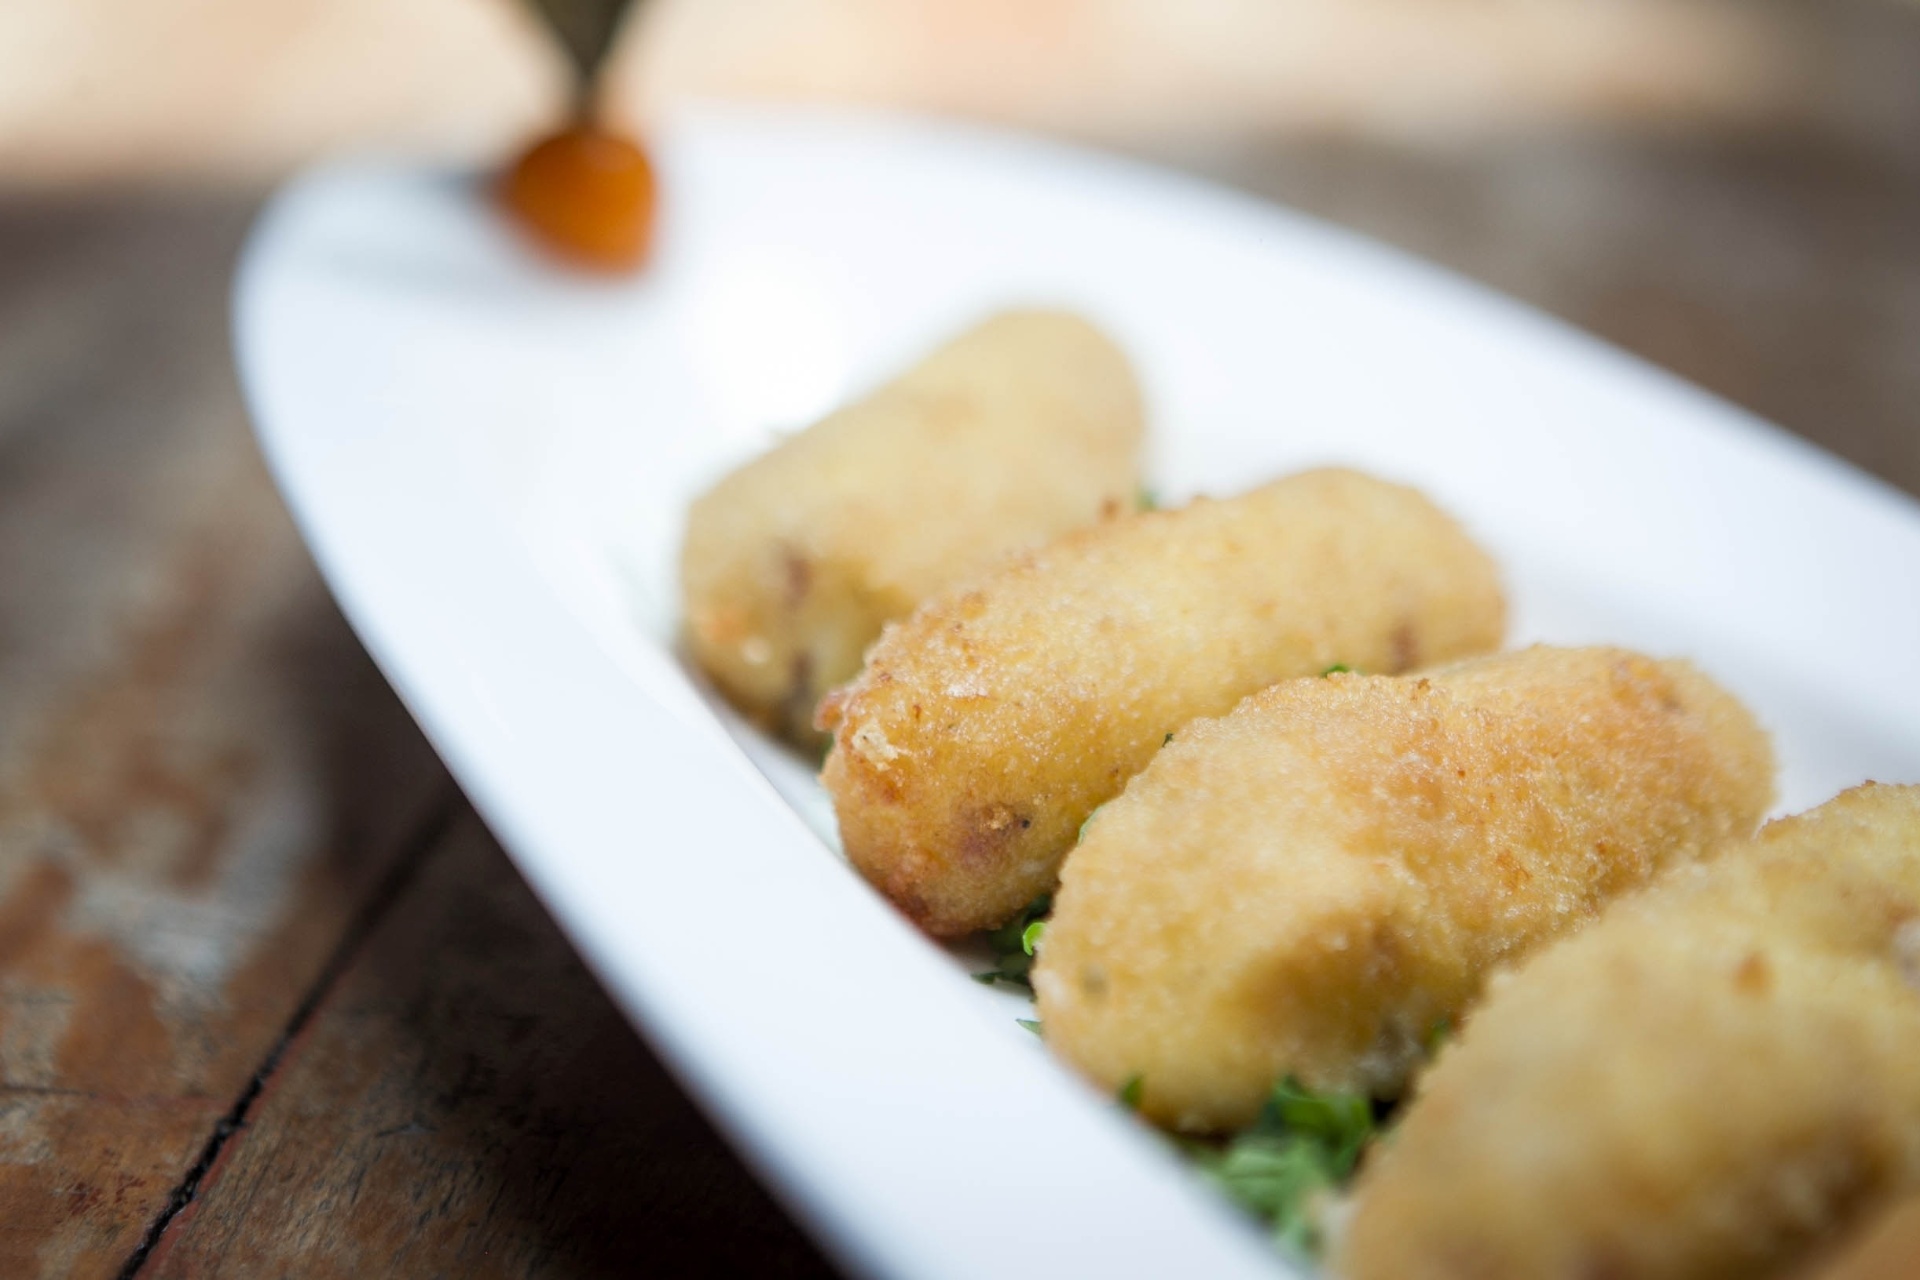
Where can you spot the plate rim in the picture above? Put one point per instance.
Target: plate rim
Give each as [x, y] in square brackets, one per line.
[481, 744]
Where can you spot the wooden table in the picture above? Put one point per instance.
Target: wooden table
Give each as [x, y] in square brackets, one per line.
[271, 1000]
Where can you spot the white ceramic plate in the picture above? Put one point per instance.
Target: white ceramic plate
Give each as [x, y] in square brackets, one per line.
[491, 460]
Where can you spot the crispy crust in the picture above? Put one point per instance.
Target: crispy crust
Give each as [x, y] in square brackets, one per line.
[1309, 884]
[987, 727]
[1020, 429]
[1716, 1080]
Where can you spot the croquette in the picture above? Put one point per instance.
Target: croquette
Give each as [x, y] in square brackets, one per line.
[1719, 1078]
[1313, 883]
[1013, 433]
[990, 724]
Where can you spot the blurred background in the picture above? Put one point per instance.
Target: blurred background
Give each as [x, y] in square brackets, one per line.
[1728, 186]
[271, 1001]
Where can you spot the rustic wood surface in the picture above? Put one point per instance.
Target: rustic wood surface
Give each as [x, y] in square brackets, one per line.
[272, 1003]
[201, 779]
[465, 1104]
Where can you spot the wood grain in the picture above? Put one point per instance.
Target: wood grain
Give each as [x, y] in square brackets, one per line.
[250, 988]
[466, 1103]
[201, 776]
[209, 802]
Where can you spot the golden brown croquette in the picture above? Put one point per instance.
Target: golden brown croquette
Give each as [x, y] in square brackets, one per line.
[987, 726]
[1718, 1078]
[1309, 884]
[1017, 431]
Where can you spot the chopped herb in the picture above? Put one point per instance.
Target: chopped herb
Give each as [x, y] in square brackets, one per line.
[1338, 668]
[1012, 945]
[1338, 1123]
[1276, 1180]
[1146, 499]
[1168, 739]
[1130, 1092]
[1031, 1024]
[1438, 1034]
[1301, 1150]
[1088, 821]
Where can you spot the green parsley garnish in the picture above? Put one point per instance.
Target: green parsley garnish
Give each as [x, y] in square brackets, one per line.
[1167, 740]
[1031, 1024]
[1130, 1092]
[1146, 499]
[1303, 1148]
[1338, 668]
[1012, 945]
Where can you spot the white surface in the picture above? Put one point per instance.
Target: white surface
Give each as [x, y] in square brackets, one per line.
[491, 460]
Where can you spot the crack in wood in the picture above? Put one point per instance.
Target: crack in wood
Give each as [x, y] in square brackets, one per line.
[412, 855]
[44, 1090]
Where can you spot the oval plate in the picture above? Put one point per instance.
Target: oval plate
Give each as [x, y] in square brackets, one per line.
[491, 460]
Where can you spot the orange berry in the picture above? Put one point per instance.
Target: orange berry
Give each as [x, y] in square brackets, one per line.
[587, 195]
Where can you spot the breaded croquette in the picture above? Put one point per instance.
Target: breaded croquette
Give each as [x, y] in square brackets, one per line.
[1310, 884]
[1017, 431]
[1719, 1078]
[1883, 1247]
[986, 727]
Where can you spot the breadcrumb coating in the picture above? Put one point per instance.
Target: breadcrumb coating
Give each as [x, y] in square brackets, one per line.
[1883, 1247]
[986, 727]
[1013, 433]
[1311, 883]
[1718, 1079]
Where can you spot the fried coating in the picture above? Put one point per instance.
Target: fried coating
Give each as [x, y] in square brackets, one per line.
[987, 727]
[1013, 433]
[1881, 1248]
[1718, 1079]
[1311, 883]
